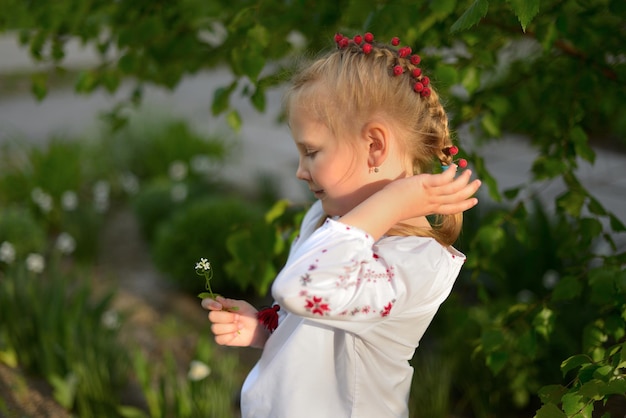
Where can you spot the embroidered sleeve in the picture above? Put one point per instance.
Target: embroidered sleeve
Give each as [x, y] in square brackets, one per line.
[337, 275]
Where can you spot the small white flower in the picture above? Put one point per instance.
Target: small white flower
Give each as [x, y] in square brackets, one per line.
[69, 200]
[130, 183]
[42, 199]
[179, 192]
[110, 319]
[7, 252]
[198, 370]
[525, 296]
[550, 279]
[178, 170]
[203, 264]
[35, 262]
[201, 164]
[65, 243]
[101, 196]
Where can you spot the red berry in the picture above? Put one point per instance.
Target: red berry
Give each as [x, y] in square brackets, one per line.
[418, 87]
[425, 92]
[397, 70]
[404, 52]
[395, 41]
[416, 72]
[425, 81]
[369, 38]
[344, 43]
[415, 59]
[453, 150]
[338, 37]
[367, 48]
[462, 163]
[358, 39]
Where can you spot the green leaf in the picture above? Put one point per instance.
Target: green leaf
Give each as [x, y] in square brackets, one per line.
[581, 144]
[544, 322]
[442, 8]
[491, 238]
[525, 10]
[497, 360]
[64, 389]
[470, 79]
[234, 120]
[258, 99]
[512, 193]
[550, 411]
[276, 211]
[491, 340]
[571, 202]
[552, 393]
[616, 224]
[491, 125]
[39, 85]
[574, 362]
[593, 389]
[574, 405]
[567, 288]
[446, 75]
[221, 98]
[471, 16]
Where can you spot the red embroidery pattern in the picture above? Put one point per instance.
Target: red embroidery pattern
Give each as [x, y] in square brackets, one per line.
[305, 279]
[316, 307]
[386, 310]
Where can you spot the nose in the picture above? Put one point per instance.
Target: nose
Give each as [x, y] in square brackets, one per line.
[302, 173]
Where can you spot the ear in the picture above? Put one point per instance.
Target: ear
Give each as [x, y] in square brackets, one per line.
[377, 137]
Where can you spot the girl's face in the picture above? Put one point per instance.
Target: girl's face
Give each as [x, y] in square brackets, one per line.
[335, 169]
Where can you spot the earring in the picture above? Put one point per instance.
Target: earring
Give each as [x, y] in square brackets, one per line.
[374, 170]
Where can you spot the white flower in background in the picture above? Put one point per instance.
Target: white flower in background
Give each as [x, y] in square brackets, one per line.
[110, 319]
[198, 370]
[525, 296]
[65, 243]
[42, 199]
[7, 252]
[178, 170]
[130, 183]
[69, 200]
[179, 192]
[101, 195]
[35, 263]
[550, 279]
[201, 164]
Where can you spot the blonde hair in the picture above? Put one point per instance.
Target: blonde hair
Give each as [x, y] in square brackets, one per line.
[345, 87]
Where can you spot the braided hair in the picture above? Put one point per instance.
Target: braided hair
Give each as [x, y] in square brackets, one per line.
[347, 86]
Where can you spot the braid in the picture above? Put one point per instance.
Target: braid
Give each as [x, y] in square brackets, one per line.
[369, 78]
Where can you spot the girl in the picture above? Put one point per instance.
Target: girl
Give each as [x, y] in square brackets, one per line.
[369, 270]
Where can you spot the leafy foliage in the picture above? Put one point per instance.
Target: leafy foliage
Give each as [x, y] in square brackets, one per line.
[553, 71]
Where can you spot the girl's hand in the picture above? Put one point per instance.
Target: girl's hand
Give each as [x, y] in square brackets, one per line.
[240, 328]
[426, 194]
[412, 197]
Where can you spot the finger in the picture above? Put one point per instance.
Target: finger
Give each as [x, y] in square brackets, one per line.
[222, 329]
[227, 303]
[226, 339]
[223, 317]
[211, 304]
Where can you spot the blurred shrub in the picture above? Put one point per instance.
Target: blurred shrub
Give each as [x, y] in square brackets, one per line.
[20, 230]
[208, 389]
[201, 229]
[148, 149]
[57, 186]
[54, 327]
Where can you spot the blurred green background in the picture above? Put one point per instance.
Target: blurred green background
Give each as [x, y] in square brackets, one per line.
[138, 137]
